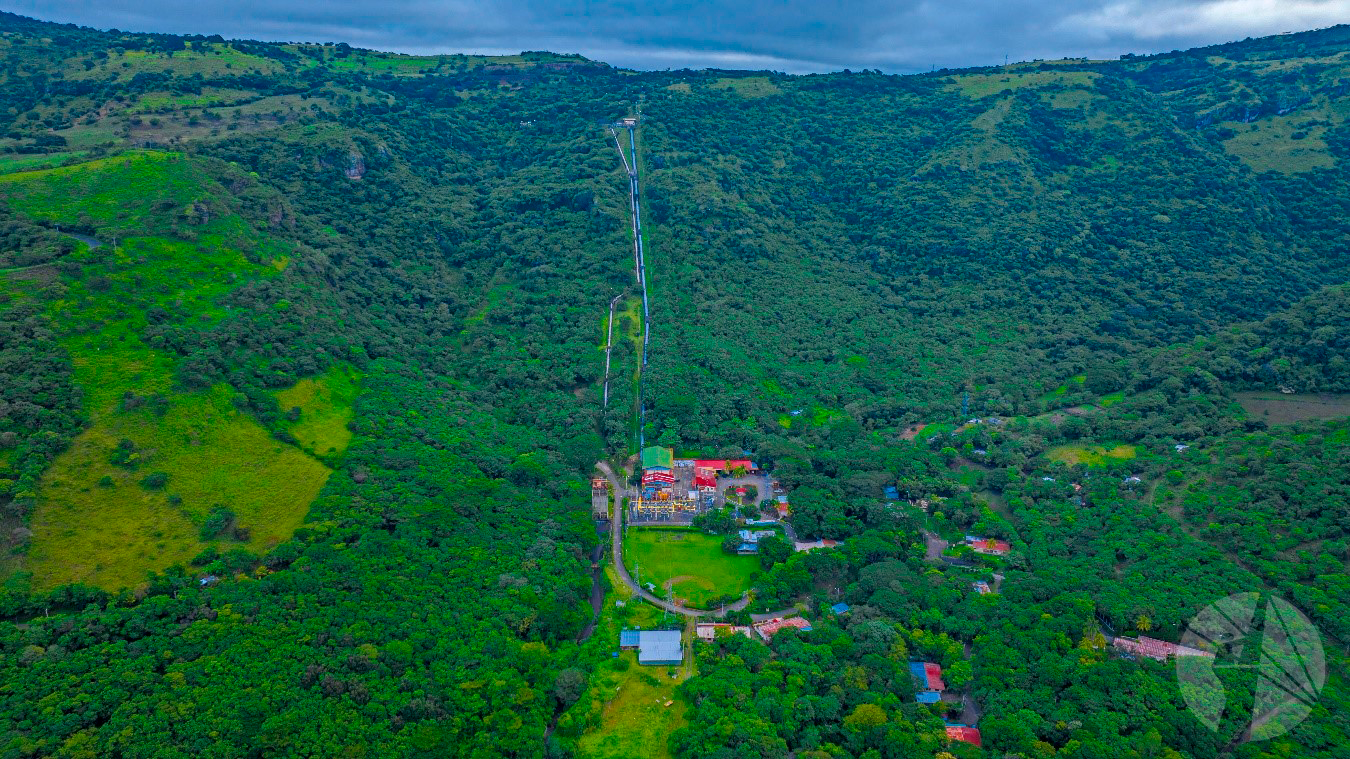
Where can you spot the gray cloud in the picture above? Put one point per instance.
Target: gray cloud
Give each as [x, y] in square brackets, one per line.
[788, 35]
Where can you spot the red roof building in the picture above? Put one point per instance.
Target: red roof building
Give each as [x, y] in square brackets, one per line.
[930, 673]
[770, 628]
[724, 465]
[1156, 649]
[656, 476]
[964, 734]
[702, 481]
[989, 545]
[934, 674]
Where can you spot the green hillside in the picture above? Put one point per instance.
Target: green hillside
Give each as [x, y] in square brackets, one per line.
[300, 394]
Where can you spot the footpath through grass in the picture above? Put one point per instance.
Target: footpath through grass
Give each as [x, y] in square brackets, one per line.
[689, 563]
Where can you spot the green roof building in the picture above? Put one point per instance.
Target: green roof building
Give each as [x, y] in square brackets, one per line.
[656, 457]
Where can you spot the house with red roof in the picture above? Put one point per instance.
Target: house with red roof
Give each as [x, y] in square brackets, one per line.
[927, 675]
[770, 628]
[989, 546]
[965, 734]
[1156, 649]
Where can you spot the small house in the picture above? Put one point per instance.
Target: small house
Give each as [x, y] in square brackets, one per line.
[965, 734]
[928, 675]
[770, 628]
[1155, 649]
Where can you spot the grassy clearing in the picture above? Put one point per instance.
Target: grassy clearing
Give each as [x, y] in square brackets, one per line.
[12, 162]
[110, 532]
[1289, 144]
[628, 321]
[635, 720]
[625, 705]
[1070, 99]
[691, 562]
[748, 86]
[97, 521]
[1091, 455]
[1064, 389]
[210, 96]
[217, 59]
[133, 191]
[1111, 399]
[1282, 408]
[325, 404]
[982, 85]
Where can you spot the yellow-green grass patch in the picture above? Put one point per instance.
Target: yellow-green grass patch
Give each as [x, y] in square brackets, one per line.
[209, 96]
[1092, 455]
[325, 404]
[628, 320]
[1281, 143]
[1064, 389]
[125, 189]
[14, 162]
[94, 520]
[1111, 399]
[1287, 408]
[217, 59]
[110, 532]
[635, 721]
[982, 85]
[1069, 99]
[748, 86]
[691, 562]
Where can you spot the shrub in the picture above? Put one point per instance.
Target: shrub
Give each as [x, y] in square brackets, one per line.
[155, 480]
[216, 522]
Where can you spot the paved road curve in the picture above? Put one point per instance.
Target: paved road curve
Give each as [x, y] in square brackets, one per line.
[616, 534]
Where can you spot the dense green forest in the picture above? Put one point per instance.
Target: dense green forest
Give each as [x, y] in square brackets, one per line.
[300, 361]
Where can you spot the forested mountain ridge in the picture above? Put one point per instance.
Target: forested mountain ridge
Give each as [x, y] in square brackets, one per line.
[321, 356]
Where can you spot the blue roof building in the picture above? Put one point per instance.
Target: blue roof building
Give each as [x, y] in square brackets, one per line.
[928, 697]
[839, 608]
[629, 638]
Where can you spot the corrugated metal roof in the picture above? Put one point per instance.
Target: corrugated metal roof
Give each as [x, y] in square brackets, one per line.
[659, 647]
[629, 638]
[965, 734]
[928, 674]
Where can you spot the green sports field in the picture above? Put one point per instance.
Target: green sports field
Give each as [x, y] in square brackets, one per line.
[690, 562]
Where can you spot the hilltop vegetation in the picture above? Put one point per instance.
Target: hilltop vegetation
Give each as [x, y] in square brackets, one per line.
[301, 388]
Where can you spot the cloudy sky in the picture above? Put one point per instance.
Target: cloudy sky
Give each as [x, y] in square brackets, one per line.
[787, 35]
